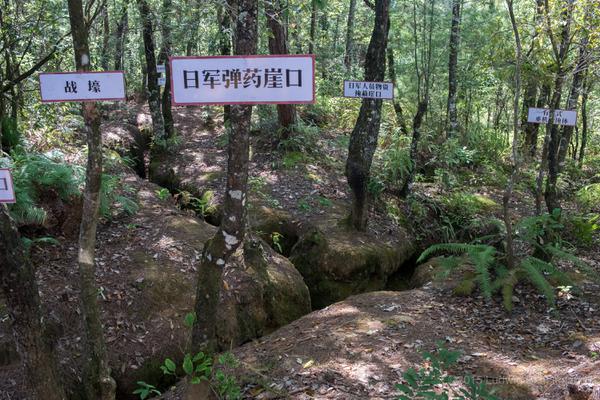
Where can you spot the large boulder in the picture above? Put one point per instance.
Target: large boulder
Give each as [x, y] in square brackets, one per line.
[337, 262]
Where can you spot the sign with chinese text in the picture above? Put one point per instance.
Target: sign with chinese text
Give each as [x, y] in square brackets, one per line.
[7, 190]
[369, 90]
[565, 117]
[162, 81]
[538, 115]
[285, 79]
[82, 86]
[161, 68]
[561, 117]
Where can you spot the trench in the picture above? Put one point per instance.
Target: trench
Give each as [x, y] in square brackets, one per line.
[290, 235]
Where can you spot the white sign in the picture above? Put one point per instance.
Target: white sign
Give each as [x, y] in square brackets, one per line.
[162, 81]
[538, 115]
[561, 117]
[369, 90]
[285, 79]
[82, 86]
[161, 68]
[7, 190]
[565, 117]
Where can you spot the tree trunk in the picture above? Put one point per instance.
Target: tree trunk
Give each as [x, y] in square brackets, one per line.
[228, 241]
[105, 37]
[396, 102]
[510, 256]
[581, 66]
[286, 113]
[121, 38]
[551, 194]
[163, 58]
[349, 36]
[97, 381]
[225, 47]
[363, 140]
[18, 283]
[452, 128]
[587, 87]
[152, 82]
[313, 27]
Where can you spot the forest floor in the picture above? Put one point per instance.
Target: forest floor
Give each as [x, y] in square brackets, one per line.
[353, 349]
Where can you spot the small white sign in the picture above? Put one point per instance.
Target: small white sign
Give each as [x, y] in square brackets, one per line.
[256, 79]
[162, 81]
[161, 68]
[369, 90]
[82, 86]
[7, 190]
[565, 117]
[538, 115]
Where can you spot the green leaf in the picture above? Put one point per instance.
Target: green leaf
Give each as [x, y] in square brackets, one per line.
[188, 364]
[190, 319]
[170, 365]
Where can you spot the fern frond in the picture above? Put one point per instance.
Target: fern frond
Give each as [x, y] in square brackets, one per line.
[552, 270]
[483, 258]
[537, 279]
[452, 248]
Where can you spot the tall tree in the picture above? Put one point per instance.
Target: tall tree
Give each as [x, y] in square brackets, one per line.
[313, 27]
[510, 256]
[97, 382]
[274, 10]
[396, 102]
[587, 88]
[158, 125]
[18, 283]
[104, 56]
[228, 241]
[451, 111]
[121, 37]
[560, 54]
[350, 36]
[163, 58]
[224, 17]
[363, 140]
[423, 71]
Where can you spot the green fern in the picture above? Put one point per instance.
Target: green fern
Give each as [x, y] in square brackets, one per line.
[453, 248]
[532, 273]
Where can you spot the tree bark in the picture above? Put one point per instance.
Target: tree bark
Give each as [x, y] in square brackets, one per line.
[451, 110]
[158, 125]
[18, 283]
[228, 241]
[510, 257]
[163, 58]
[581, 66]
[225, 47]
[551, 194]
[121, 38]
[97, 382]
[363, 140]
[350, 36]
[286, 113]
[587, 87]
[313, 27]
[105, 37]
[396, 102]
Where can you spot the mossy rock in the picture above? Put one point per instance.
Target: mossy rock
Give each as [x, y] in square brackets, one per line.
[336, 262]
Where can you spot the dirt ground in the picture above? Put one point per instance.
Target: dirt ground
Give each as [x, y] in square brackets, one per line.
[354, 349]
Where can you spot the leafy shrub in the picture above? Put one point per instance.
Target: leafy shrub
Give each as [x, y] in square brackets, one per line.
[584, 227]
[204, 205]
[492, 275]
[303, 139]
[432, 381]
[32, 175]
[588, 197]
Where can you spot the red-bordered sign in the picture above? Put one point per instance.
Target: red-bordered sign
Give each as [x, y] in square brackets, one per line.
[7, 189]
[57, 87]
[385, 93]
[208, 79]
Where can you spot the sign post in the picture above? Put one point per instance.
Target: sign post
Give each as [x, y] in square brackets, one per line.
[255, 79]
[369, 90]
[82, 86]
[561, 117]
[7, 190]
